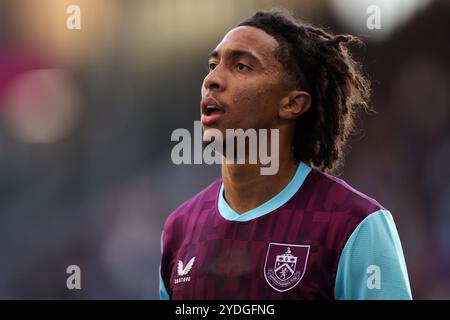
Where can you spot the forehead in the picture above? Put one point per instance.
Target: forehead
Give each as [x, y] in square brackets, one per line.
[249, 39]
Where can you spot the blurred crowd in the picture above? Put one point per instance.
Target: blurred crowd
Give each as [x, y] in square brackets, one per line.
[86, 117]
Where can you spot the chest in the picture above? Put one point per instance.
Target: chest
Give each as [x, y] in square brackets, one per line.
[252, 261]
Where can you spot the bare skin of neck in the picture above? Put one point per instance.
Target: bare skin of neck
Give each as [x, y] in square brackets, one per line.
[245, 188]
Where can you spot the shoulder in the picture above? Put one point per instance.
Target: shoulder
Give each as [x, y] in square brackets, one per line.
[332, 200]
[336, 195]
[206, 198]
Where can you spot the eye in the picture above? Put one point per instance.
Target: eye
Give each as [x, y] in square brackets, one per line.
[212, 66]
[243, 67]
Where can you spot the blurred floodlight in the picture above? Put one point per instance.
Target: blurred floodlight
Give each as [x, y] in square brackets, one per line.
[43, 25]
[353, 14]
[41, 106]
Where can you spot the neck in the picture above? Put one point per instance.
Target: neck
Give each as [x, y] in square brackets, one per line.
[245, 188]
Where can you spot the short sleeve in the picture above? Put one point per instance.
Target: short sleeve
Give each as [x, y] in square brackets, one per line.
[372, 265]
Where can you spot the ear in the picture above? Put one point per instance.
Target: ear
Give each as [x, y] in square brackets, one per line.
[296, 103]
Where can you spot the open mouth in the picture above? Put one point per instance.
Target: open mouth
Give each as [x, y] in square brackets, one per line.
[211, 114]
[211, 110]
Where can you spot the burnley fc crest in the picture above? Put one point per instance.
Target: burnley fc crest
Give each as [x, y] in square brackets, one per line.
[285, 265]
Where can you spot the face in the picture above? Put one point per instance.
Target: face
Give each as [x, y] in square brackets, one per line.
[244, 87]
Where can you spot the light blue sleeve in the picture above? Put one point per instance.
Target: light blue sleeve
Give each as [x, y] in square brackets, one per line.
[372, 265]
[163, 294]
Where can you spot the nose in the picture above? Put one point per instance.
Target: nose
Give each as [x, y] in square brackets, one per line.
[214, 80]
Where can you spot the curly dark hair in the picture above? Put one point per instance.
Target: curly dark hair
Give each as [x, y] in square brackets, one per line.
[317, 62]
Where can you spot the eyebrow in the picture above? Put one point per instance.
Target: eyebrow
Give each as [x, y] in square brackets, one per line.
[235, 54]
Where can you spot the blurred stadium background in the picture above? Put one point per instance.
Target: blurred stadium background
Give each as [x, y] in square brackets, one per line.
[86, 117]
